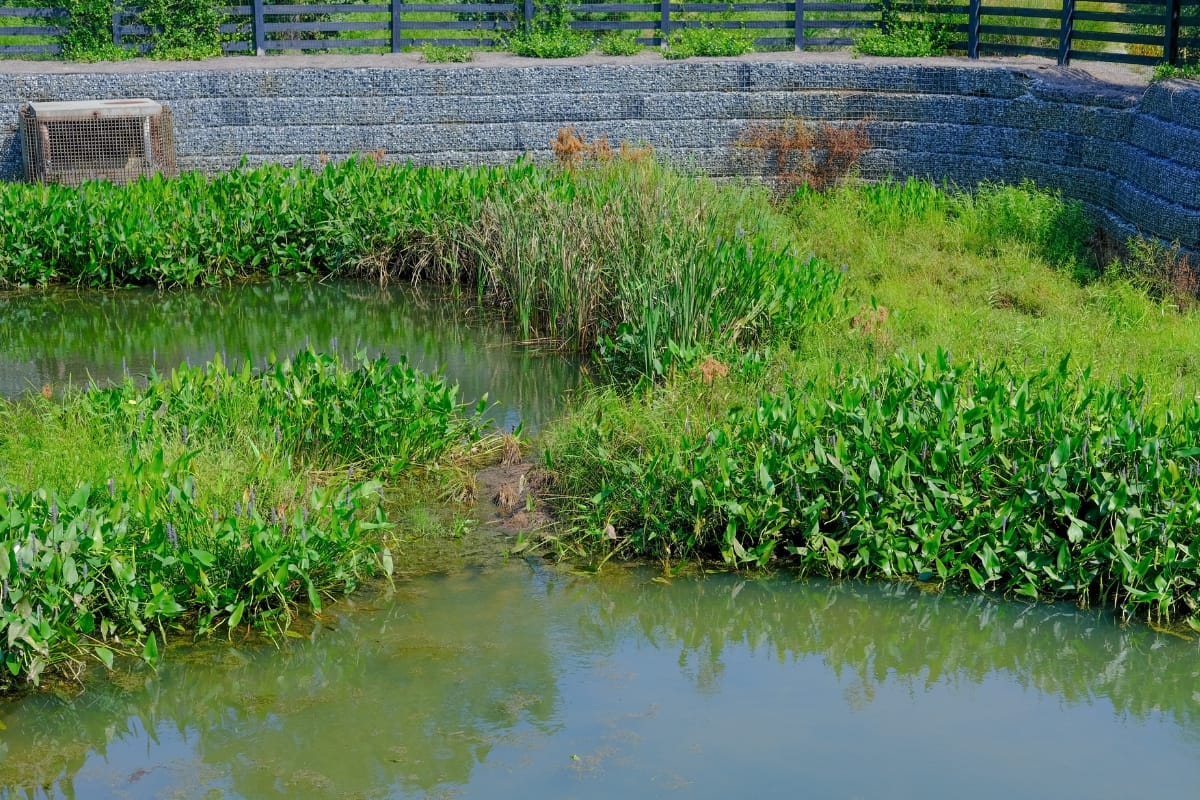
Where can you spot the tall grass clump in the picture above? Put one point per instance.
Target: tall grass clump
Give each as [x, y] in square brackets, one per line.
[206, 499]
[1044, 484]
[647, 264]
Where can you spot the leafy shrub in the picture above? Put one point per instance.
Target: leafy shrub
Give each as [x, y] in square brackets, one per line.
[1166, 72]
[550, 35]
[922, 35]
[88, 36]
[706, 40]
[620, 43]
[183, 29]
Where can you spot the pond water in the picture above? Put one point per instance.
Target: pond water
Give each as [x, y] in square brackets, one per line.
[513, 679]
[505, 677]
[60, 337]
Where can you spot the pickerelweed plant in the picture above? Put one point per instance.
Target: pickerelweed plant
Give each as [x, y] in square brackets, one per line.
[1044, 484]
[208, 499]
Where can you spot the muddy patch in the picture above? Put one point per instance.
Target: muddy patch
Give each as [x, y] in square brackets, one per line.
[514, 495]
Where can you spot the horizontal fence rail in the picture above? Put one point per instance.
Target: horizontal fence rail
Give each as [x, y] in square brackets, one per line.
[1131, 31]
[31, 32]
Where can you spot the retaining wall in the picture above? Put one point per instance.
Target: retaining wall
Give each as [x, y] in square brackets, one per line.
[1128, 150]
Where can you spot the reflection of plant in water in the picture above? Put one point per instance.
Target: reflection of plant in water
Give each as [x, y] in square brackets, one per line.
[429, 683]
[428, 687]
[873, 634]
[59, 336]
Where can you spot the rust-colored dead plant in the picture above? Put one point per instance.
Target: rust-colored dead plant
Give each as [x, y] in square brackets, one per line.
[571, 149]
[795, 152]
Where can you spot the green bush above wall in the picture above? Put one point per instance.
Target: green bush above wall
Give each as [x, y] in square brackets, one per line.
[89, 34]
[181, 30]
[186, 29]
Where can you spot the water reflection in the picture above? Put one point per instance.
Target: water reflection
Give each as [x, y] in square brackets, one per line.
[520, 680]
[59, 336]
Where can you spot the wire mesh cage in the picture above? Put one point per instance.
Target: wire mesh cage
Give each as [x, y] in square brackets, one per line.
[114, 140]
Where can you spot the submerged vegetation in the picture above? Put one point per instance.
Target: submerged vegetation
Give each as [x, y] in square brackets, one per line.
[896, 380]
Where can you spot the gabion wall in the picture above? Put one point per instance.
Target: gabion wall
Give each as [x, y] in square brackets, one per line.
[1131, 152]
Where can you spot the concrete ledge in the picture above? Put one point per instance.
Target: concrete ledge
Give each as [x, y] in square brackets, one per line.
[1102, 135]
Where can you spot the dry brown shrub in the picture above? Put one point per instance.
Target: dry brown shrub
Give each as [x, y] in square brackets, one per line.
[841, 147]
[710, 369]
[572, 150]
[568, 147]
[797, 153]
[635, 154]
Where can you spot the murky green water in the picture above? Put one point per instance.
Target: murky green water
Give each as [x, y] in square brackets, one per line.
[65, 337]
[514, 680]
[508, 678]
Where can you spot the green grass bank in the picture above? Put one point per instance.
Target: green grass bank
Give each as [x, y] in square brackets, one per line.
[1005, 400]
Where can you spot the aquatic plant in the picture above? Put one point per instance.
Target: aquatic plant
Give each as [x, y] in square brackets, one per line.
[206, 499]
[1047, 484]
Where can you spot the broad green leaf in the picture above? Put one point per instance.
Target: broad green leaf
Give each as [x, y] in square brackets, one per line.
[105, 655]
[150, 652]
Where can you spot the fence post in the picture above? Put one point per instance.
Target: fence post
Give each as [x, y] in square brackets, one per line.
[664, 21]
[528, 14]
[397, 5]
[885, 10]
[1066, 32]
[974, 15]
[260, 30]
[116, 24]
[799, 24]
[1171, 39]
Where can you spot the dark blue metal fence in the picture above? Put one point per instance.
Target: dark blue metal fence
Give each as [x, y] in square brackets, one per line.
[1130, 31]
